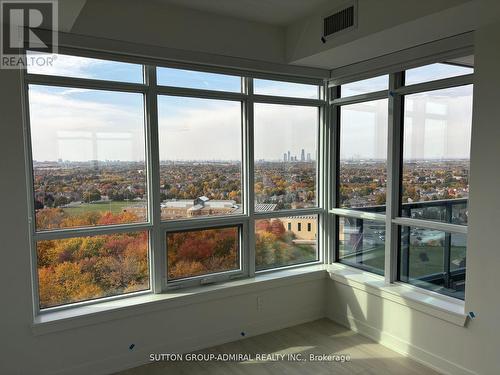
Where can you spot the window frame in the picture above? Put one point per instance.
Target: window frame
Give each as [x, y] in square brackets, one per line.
[393, 218]
[158, 229]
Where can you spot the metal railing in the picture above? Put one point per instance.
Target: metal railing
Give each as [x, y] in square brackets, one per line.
[452, 211]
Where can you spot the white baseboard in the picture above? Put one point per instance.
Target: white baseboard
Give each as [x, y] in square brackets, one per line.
[185, 345]
[400, 346]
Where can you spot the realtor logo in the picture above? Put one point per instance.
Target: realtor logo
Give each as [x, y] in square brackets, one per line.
[30, 24]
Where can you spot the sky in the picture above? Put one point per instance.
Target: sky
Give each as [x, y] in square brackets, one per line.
[81, 124]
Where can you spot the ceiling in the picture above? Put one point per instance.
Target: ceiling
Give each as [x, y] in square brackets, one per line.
[274, 12]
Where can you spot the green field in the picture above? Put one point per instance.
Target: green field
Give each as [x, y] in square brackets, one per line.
[111, 206]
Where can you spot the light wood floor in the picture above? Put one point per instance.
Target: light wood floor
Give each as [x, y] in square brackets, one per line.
[319, 337]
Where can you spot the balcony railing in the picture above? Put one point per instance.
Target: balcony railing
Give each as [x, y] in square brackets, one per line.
[449, 278]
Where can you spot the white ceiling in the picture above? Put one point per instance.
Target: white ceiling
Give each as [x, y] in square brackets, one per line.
[274, 12]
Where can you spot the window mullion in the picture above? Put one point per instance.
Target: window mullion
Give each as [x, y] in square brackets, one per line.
[248, 160]
[394, 156]
[334, 159]
[157, 242]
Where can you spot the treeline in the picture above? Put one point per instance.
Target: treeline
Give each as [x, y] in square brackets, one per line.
[82, 268]
[193, 253]
[274, 246]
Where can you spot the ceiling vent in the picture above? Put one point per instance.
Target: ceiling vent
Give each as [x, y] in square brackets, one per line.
[343, 19]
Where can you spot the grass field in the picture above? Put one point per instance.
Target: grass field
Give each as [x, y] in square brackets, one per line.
[111, 206]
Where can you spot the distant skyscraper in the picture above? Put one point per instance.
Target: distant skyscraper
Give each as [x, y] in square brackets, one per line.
[302, 155]
[308, 156]
[284, 157]
[289, 156]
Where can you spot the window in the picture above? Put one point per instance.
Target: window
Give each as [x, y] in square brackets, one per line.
[277, 247]
[285, 156]
[436, 149]
[137, 168]
[362, 175]
[281, 88]
[365, 86]
[427, 167]
[432, 72]
[89, 151]
[198, 80]
[363, 155]
[85, 268]
[200, 157]
[201, 252]
[362, 243]
[90, 68]
[434, 260]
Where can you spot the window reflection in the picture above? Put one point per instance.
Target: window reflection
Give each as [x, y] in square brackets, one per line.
[436, 151]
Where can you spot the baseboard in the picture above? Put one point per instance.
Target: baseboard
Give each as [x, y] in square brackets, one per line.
[185, 345]
[400, 346]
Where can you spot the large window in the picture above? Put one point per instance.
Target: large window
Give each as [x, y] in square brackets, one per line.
[200, 157]
[360, 148]
[286, 140]
[436, 149]
[82, 268]
[146, 178]
[363, 156]
[89, 157]
[416, 187]
[287, 209]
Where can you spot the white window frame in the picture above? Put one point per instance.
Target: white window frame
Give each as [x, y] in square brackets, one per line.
[154, 225]
[395, 94]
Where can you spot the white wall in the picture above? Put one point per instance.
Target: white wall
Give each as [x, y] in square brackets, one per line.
[384, 26]
[475, 348]
[154, 23]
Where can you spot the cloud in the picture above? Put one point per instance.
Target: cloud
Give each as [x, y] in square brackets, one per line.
[68, 66]
[81, 125]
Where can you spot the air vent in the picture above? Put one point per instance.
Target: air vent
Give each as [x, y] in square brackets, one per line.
[342, 20]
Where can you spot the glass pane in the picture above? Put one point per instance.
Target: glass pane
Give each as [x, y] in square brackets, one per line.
[84, 67]
[363, 156]
[436, 152]
[200, 157]
[285, 156]
[84, 268]
[362, 243]
[365, 86]
[435, 71]
[433, 260]
[194, 79]
[201, 252]
[285, 241]
[281, 88]
[88, 157]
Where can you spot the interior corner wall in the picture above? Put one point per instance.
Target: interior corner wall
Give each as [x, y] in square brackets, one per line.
[473, 349]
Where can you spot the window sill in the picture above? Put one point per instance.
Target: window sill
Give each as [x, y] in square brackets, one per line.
[54, 321]
[443, 307]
